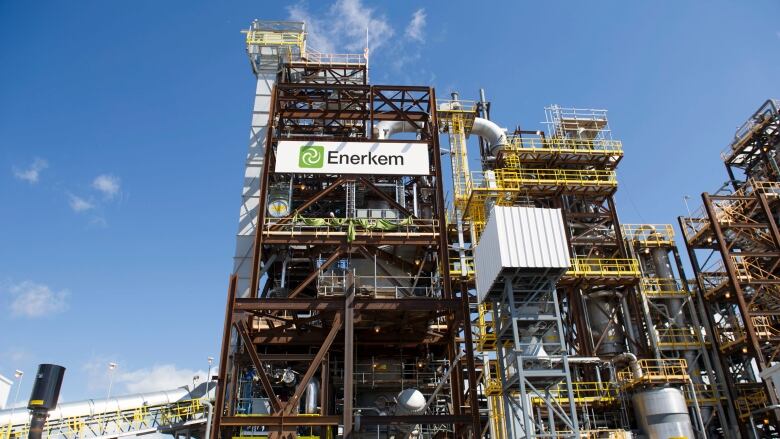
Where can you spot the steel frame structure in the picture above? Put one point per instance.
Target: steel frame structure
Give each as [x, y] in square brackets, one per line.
[317, 334]
[733, 243]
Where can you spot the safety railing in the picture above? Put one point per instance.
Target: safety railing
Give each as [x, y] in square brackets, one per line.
[730, 333]
[749, 268]
[766, 328]
[312, 56]
[771, 188]
[518, 179]
[713, 279]
[334, 283]
[491, 379]
[520, 144]
[274, 38]
[706, 394]
[457, 266]
[446, 108]
[112, 424]
[351, 228]
[678, 338]
[655, 371]
[421, 374]
[584, 392]
[603, 267]
[485, 327]
[749, 402]
[649, 235]
[653, 287]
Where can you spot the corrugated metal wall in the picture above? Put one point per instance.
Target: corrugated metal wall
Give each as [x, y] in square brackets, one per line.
[516, 238]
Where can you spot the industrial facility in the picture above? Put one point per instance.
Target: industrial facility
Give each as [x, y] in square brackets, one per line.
[407, 268]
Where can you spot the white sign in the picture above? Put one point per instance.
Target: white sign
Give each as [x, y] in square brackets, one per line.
[380, 158]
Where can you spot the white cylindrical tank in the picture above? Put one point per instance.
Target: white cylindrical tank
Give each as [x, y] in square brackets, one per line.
[662, 413]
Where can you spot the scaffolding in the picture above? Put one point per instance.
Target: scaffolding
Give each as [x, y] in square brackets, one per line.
[347, 309]
[734, 246]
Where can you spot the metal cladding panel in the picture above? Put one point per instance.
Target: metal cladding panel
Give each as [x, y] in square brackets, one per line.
[518, 238]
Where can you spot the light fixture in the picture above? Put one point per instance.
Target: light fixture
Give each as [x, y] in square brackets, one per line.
[18, 374]
[377, 328]
[420, 365]
[112, 366]
[211, 360]
[744, 350]
[727, 295]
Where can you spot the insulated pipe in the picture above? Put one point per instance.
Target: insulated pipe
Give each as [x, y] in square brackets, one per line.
[209, 412]
[492, 133]
[312, 396]
[633, 364]
[386, 128]
[92, 407]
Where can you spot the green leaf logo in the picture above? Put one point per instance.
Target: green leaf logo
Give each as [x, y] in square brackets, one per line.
[311, 156]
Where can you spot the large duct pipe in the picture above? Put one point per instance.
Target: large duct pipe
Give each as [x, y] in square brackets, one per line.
[95, 407]
[633, 364]
[312, 396]
[386, 128]
[492, 133]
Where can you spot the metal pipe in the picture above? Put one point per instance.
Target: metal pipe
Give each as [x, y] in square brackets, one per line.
[90, 407]
[492, 133]
[210, 410]
[633, 364]
[386, 128]
[312, 396]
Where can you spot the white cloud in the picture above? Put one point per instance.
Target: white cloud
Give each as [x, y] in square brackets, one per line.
[317, 39]
[159, 377]
[416, 28]
[107, 184]
[31, 299]
[79, 204]
[343, 27]
[32, 173]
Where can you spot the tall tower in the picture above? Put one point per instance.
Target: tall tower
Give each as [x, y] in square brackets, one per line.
[733, 241]
[341, 319]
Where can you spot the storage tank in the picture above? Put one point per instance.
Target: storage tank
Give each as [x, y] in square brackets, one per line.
[662, 413]
[601, 306]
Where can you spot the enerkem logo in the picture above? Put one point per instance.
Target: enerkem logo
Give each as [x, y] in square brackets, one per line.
[370, 158]
[352, 158]
[311, 156]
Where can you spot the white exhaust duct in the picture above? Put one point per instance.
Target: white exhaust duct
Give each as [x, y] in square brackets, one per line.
[492, 133]
[386, 128]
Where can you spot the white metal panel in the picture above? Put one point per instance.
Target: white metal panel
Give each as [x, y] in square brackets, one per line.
[250, 195]
[518, 238]
[5, 390]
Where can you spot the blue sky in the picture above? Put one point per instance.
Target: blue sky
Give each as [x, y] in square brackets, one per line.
[123, 128]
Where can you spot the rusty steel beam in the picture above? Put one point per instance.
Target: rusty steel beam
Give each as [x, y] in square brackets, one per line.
[289, 239]
[257, 244]
[258, 364]
[415, 419]
[384, 196]
[292, 403]
[279, 421]
[313, 275]
[337, 303]
[223, 357]
[316, 197]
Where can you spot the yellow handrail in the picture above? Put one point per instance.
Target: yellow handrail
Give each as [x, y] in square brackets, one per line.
[604, 267]
[649, 234]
